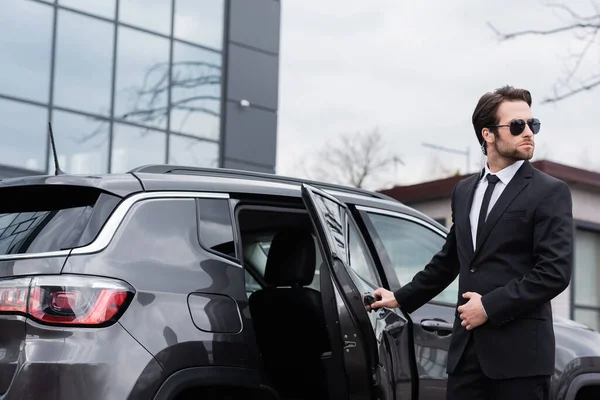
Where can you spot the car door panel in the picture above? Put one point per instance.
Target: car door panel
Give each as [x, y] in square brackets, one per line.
[377, 345]
[432, 323]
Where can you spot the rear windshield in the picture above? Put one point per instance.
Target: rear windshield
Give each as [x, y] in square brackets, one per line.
[42, 218]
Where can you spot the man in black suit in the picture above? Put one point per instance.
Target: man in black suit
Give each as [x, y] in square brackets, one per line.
[511, 244]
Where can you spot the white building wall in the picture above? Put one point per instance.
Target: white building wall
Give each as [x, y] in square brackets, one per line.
[586, 205]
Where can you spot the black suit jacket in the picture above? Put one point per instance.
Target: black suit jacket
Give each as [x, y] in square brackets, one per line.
[523, 261]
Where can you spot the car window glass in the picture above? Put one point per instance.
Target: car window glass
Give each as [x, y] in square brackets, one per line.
[256, 251]
[215, 229]
[410, 247]
[43, 218]
[363, 273]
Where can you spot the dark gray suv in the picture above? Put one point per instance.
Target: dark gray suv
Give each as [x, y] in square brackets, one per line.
[173, 283]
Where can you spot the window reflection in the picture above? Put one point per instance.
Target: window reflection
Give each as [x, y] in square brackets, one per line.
[134, 146]
[193, 152]
[215, 227]
[589, 318]
[196, 91]
[587, 261]
[200, 21]
[23, 128]
[83, 63]
[142, 78]
[410, 248]
[358, 262]
[103, 8]
[81, 143]
[25, 43]
[333, 218]
[154, 15]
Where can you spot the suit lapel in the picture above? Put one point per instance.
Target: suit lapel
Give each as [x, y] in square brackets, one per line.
[468, 234]
[515, 186]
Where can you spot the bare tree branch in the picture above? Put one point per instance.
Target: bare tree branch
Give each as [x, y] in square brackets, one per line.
[572, 92]
[356, 159]
[585, 30]
[572, 13]
[508, 36]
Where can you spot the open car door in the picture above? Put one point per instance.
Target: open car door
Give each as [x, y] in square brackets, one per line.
[373, 350]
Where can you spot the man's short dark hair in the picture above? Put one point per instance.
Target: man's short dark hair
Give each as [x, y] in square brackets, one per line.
[486, 111]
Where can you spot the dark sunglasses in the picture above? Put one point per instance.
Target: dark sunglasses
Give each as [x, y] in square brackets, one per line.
[517, 126]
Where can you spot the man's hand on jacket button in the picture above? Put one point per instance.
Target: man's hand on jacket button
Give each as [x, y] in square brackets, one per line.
[472, 312]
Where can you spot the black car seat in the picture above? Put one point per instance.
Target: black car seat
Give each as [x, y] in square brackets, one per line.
[288, 318]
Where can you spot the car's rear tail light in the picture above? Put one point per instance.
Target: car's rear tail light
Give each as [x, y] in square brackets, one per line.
[66, 299]
[13, 295]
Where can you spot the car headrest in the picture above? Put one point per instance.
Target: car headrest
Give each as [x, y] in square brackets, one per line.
[291, 259]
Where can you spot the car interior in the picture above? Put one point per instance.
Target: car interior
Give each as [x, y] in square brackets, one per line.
[281, 256]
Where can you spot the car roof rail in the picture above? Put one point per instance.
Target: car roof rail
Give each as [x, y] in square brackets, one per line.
[233, 173]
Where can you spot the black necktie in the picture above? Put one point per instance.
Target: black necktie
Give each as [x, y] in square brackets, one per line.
[492, 180]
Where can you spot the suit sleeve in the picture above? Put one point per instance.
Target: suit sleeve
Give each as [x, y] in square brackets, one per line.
[553, 252]
[435, 277]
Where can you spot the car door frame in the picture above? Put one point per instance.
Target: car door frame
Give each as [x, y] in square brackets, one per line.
[357, 325]
[426, 320]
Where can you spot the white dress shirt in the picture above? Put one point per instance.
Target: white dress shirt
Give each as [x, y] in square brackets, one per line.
[505, 175]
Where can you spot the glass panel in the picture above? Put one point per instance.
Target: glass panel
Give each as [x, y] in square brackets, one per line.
[410, 248]
[104, 8]
[590, 318]
[134, 146]
[154, 15]
[25, 44]
[81, 143]
[364, 274]
[193, 152]
[196, 97]
[200, 21]
[24, 135]
[332, 215]
[257, 244]
[587, 263]
[83, 63]
[36, 219]
[215, 227]
[142, 78]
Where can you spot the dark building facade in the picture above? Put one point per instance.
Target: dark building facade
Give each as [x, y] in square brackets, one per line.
[132, 82]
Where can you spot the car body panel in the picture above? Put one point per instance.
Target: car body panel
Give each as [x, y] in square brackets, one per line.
[163, 331]
[32, 265]
[73, 361]
[156, 249]
[119, 184]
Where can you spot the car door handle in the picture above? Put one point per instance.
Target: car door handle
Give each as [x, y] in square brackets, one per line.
[438, 326]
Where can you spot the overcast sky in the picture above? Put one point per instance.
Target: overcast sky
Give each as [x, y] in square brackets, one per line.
[416, 69]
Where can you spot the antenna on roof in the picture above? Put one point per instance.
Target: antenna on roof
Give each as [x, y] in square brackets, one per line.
[57, 170]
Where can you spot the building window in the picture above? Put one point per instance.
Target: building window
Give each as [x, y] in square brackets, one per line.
[138, 13]
[83, 63]
[81, 143]
[103, 8]
[192, 152]
[200, 21]
[141, 90]
[134, 146]
[24, 135]
[123, 84]
[26, 42]
[586, 306]
[196, 91]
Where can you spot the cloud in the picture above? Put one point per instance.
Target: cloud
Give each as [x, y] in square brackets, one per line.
[416, 71]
